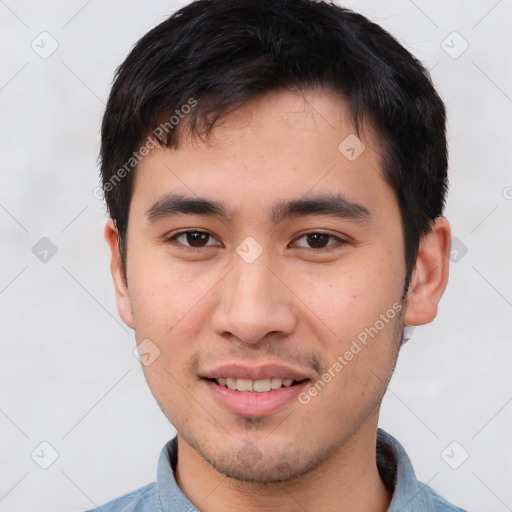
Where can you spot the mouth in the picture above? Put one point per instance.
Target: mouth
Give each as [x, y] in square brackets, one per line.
[255, 391]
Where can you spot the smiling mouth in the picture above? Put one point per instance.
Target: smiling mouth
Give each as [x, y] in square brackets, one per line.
[255, 386]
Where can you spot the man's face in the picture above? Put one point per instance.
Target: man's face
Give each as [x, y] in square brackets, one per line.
[268, 293]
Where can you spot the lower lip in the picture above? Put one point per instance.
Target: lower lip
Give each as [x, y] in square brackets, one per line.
[254, 404]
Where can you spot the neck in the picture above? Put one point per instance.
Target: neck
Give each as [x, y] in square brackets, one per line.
[347, 480]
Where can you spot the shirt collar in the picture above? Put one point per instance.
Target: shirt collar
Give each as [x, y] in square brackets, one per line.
[171, 496]
[397, 473]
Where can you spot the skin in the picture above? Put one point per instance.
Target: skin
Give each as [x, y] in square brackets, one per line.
[294, 305]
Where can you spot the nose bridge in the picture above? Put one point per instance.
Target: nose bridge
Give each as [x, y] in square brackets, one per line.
[253, 302]
[252, 286]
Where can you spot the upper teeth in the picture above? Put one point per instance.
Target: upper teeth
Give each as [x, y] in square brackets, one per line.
[260, 386]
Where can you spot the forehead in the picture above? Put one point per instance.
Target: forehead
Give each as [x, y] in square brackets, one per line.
[282, 145]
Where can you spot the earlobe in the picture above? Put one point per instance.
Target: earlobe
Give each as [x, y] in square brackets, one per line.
[430, 275]
[123, 302]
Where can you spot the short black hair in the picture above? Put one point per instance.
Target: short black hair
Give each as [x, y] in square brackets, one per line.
[215, 56]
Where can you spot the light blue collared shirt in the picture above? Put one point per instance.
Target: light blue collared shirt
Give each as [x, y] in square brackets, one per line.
[394, 465]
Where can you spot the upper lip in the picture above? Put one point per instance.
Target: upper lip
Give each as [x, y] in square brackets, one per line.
[255, 372]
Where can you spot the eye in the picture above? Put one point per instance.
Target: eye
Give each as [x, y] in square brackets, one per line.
[194, 238]
[318, 240]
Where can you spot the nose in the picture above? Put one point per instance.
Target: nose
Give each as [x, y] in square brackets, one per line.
[253, 303]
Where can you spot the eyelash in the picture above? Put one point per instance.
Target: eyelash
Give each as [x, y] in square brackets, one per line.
[339, 242]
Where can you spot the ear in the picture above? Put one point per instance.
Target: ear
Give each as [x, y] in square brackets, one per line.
[123, 302]
[430, 274]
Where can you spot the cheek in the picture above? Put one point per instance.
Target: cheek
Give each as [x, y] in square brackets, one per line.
[349, 297]
[164, 293]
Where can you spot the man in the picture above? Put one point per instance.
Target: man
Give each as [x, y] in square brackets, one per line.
[275, 173]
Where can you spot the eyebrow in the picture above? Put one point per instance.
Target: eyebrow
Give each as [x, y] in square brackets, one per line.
[334, 205]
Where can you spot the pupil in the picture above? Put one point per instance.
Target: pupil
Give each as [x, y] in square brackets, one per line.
[317, 240]
[196, 238]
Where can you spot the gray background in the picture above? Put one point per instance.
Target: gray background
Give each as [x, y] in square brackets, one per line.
[68, 374]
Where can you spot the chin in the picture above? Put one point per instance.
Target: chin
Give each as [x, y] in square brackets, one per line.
[271, 464]
[261, 472]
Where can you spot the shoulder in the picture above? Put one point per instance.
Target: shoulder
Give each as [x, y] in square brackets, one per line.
[438, 503]
[141, 500]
